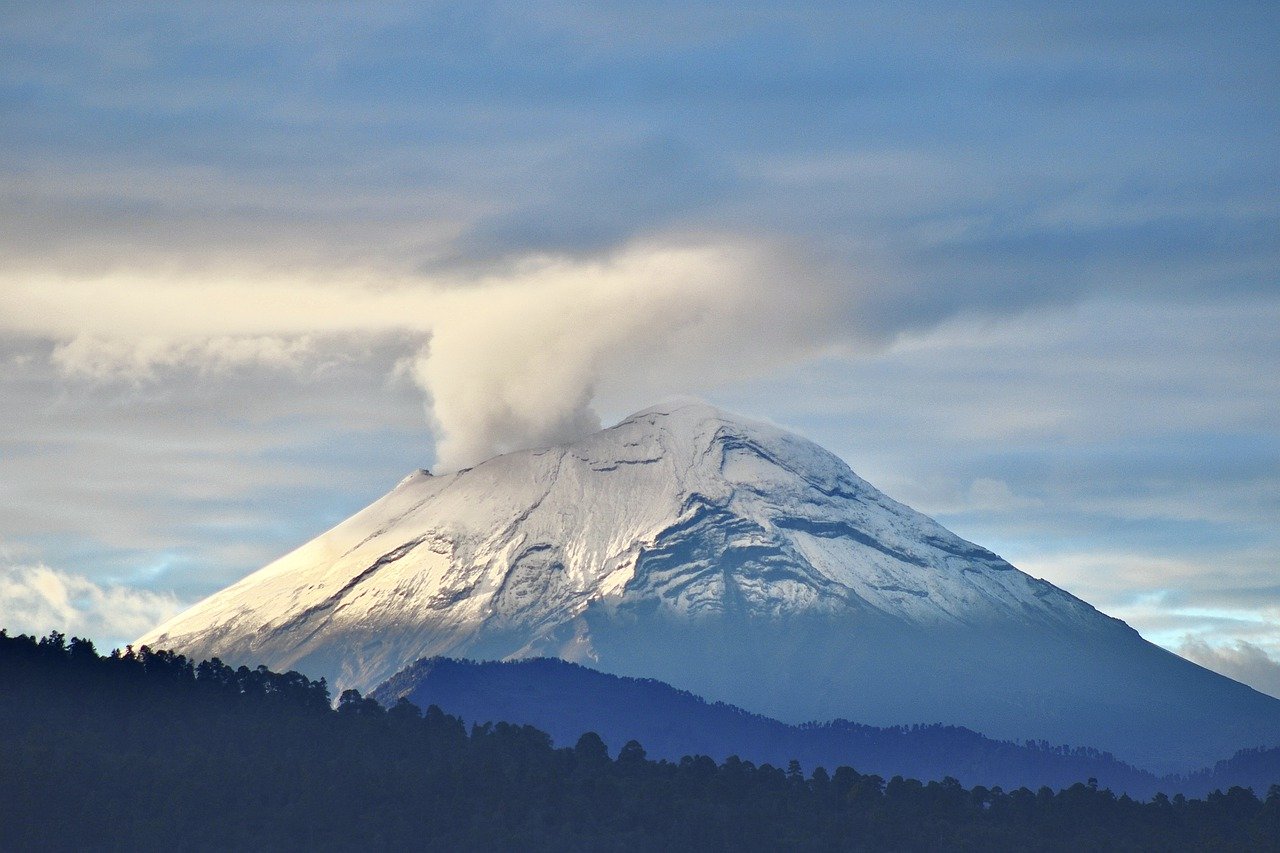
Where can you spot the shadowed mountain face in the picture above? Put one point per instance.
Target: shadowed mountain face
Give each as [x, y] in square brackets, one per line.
[565, 700]
[734, 560]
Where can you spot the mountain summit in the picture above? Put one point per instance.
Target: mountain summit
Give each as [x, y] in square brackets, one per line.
[732, 559]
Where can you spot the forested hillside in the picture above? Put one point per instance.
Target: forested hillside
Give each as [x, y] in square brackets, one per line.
[151, 751]
[565, 699]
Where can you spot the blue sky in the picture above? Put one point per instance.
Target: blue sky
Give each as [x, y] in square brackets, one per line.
[1017, 263]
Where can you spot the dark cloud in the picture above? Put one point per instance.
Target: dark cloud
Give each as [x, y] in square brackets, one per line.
[518, 128]
[616, 190]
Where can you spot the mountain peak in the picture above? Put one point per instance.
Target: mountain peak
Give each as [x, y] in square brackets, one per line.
[684, 412]
[681, 508]
[705, 440]
[724, 555]
[684, 423]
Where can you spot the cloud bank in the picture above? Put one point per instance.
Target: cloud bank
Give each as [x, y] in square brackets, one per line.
[38, 599]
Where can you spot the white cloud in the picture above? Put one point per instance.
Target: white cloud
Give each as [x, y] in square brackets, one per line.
[38, 599]
[98, 357]
[1224, 616]
[1240, 660]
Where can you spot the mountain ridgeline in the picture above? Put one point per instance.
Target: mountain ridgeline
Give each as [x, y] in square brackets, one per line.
[733, 560]
[565, 700]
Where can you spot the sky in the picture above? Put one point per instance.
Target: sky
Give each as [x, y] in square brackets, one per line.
[1017, 263]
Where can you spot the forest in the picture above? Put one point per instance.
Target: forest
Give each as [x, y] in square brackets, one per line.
[566, 699]
[146, 750]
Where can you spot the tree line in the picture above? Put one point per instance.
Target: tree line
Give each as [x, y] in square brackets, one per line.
[147, 750]
[566, 699]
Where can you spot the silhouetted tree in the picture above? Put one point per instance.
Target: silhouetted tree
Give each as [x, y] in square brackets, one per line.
[147, 751]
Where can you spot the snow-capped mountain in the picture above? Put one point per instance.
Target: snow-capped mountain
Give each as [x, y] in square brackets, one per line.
[732, 559]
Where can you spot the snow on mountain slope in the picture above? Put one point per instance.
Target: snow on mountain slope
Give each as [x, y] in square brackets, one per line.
[726, 556]
[688, 507]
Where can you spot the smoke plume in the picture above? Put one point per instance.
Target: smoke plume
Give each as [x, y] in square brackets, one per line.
[518, 362]
[510, 356]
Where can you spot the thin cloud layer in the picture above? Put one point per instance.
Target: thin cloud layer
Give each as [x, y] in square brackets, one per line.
[139, 359]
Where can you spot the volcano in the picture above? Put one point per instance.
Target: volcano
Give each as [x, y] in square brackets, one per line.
[737, 561]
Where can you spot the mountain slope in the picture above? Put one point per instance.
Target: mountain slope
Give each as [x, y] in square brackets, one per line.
[565, 700]
[732, 559]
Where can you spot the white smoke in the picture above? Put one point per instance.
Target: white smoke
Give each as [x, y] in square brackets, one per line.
[518, 362]
[516, 355]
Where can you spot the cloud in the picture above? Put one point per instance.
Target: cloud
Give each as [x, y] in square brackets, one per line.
[38, 599]
[190, 479]
[97, 357]
[1240, 660]
[234, 189]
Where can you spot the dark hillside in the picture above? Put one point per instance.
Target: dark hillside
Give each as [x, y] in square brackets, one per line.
[149, 751]
[565, 699]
